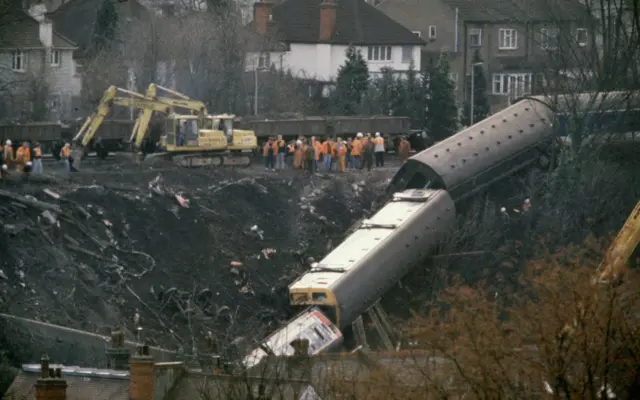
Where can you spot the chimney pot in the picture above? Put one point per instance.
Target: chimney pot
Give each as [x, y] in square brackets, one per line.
[59, 373]
[327, 20]
[262, 15]
[44, 366]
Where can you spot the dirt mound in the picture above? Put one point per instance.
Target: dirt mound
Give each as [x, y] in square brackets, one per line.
[190, 252]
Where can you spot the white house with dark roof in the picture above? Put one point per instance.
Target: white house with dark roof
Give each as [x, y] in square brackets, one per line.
[317, 33]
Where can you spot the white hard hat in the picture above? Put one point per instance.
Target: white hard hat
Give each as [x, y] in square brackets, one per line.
[8, 143]
[527, 201]
[369, 134]
[503, 209]
[298, 141]
[377, 134]
[359, 134]
[4, 167]
[29, 163]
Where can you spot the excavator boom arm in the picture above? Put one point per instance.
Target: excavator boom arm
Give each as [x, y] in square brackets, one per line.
[615, 260]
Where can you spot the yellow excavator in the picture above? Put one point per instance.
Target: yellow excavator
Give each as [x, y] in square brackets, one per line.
[198, 139]
[190, 140]
[621, 251]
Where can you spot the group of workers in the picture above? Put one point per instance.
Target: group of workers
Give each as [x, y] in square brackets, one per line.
[27, 158]
[330, 154]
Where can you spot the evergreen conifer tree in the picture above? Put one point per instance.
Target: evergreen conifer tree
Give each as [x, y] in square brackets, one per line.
[441, 104]
[480, 98]
[105, 29]
[352, 83]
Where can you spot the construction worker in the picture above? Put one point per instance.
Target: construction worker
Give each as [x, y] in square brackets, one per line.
[291, 151]
[298, 157]
[37, 159]
[269, 153]
[7, 155]
[349, 144]
[65, 156]
[23, 158]
[404, 147]
[368, 153]
[333, 149]
[281, 152]
[341, 149]
[311, 157]
[356, 150]
[325, 151]
[317, 146]
[379, 150]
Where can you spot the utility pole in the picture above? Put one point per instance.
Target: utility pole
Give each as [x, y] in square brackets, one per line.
[473, 89]
[255, 86]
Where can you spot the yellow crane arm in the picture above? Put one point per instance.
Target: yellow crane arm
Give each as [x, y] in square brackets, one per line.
[615, 260]
[141, 125]
[110, 97]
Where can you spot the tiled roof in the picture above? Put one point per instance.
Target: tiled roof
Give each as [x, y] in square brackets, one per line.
[75, 19]
[519, 10]
[90, 385]
[25, 34]
[357, 22]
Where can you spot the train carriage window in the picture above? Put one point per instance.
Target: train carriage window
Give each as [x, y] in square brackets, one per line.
[320, 335]
[319, 297]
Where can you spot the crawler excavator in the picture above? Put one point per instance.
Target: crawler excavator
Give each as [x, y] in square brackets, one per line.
[197, 139]
[190, 140]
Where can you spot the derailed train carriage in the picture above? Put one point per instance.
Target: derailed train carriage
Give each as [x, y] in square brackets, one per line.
[425, 190]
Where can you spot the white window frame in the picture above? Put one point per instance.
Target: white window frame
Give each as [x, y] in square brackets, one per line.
[264, 60]
[379, 53]
[507, 39]
[475, 32]
[417, 33]
[433, 31]
[18, 61]
[407, 54]
[502, 84]
[585, 33]
[55, 58]
[549, 38]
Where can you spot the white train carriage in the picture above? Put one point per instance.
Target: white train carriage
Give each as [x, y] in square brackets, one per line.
[377, 255]
[311, 324]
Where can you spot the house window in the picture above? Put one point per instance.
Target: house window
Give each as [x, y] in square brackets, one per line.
[417, 33]
[379, 53]
[264, 60]
[515, 85]
[549, 38]
[475, 37]
[581, 37]
[19, 61]
[55, 58]
[508, 39]
[432, 31]
[407, 54]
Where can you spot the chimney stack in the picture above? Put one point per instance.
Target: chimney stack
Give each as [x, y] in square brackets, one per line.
[141, 376]
[117, 354]
[262, 15]
[50, 386]
[327, 20]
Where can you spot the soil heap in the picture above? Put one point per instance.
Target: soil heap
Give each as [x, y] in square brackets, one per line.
[177, 252]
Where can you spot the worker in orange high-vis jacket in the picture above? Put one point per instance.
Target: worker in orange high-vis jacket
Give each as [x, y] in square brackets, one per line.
[333, 149]
[317, 146]
[269, 152]
[341, 149]
[356, 150]
[7, 155]
[65, 156]
[404, 147]
[325, 151]
[23, 158]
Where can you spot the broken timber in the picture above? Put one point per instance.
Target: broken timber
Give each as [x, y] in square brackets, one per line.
[41, 205]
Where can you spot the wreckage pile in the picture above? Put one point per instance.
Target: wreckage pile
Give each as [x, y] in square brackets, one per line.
[175, 253]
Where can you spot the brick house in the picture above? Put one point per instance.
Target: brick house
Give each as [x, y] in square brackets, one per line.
[517, 40]
[38, 74]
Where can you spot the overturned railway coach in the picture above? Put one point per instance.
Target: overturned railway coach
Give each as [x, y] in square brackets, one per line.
[422, 209]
